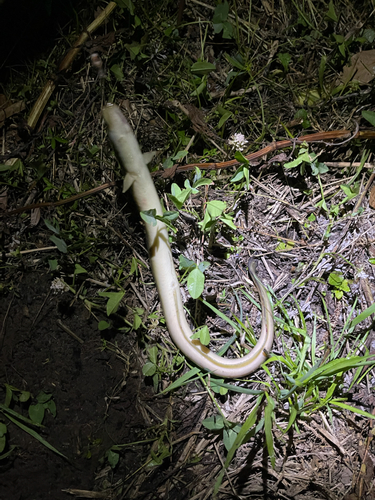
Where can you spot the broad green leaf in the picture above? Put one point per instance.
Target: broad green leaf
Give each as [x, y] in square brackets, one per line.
[228, 221]
[114, 299]
[305, 157]
[51, 227]
[153, 354]
[195, 283]
[202, 68]
[285, 59]
[148, 369]
[186, 263]
[230, 436]
[203, 266]
[240, 157]
[137, 321]
[113, 457]
[204, 335]
[221, 12]
[134, 49]
[214, 423]
[43, 397]
[149, 216]
[103, 325]
[61, 245]
[369, 116]
[215, 208]
[117, 71]
[203, 181]
[36, 413]
[180, 155]
[224, 118]
[24, 396]
[331, 12]
[79, 269]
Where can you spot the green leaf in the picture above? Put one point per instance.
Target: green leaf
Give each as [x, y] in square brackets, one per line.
[180, 155]
[352, 409]
[53, 263]
[3, 429]
[195, 283]
[134, 49]
[230, 436]
[182, 380]
[236, 61]
[228, 221]
[240, 157]
[79, 269]
[51, 407]
[153, 354]
[318, 168]
[103, 325]
[214, 423]
[186, 264]
[36, 413]
[203, 266]
[249, 423]
[204, 335]
[117, 71]
[268, 413]
[224, 118]
[361, 317]
[331, 12]
[221, 12]
[369, 116]
[43, 397]
[61, 245]
[51, 227]
[285, 59]
[203, 181]
[215, 208]
[24, 396]
[322, 67]
[202, 68]
[149, 369]
[114, 299]
[113, 457]
[149, 216]
[37, 436]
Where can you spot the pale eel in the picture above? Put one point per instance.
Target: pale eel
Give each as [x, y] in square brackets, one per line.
[144, 193]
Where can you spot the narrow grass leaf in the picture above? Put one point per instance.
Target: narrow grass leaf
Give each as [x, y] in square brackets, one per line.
[353, 409]
[182, 380]
[268, 413]
[37, 436]
[361, 317]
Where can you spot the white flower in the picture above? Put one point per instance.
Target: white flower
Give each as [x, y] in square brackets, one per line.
[238, 142]
[58, 285]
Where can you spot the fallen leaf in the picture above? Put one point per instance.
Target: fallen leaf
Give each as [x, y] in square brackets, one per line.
[361, 68]
[372, 197]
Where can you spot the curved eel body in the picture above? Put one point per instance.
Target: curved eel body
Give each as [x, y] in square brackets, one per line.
[138, 177]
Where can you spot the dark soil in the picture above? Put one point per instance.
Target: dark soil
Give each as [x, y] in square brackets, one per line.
[38, 355]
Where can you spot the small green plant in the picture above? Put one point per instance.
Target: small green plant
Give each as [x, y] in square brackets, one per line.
[55, 228]
[44, 401]
[339, 284]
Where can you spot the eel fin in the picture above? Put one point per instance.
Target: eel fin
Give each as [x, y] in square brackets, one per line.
[128, 181]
